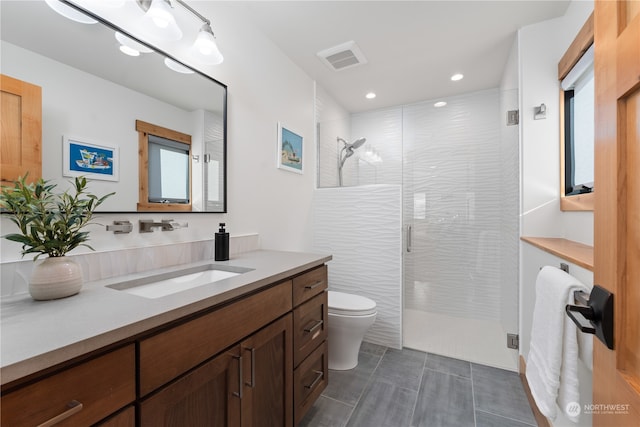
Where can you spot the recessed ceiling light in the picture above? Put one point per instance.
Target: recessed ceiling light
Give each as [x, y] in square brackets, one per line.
[457, 77]
[370, 95]
[439, 104]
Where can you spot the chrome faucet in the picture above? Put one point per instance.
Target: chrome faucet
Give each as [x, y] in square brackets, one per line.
[170, 225]
[147, 225]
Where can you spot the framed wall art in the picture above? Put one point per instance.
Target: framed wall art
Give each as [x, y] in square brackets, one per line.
[290, 145]
[94, 161]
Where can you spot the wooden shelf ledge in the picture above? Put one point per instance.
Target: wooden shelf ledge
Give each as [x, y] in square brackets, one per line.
[577, 253]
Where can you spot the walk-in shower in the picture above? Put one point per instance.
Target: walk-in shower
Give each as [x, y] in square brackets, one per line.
[346, 152]
[441, 213]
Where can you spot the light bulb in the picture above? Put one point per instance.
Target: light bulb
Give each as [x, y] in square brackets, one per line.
[160, 13]
[159, 22]
[205, 50]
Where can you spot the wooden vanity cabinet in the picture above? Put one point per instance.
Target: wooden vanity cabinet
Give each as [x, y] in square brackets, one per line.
[268, 376]
[310, 316]
[248, 384]
[208, 396]
[78, 396]
[255, 361]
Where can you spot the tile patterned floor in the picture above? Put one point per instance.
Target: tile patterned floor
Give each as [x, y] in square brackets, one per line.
[402, 388]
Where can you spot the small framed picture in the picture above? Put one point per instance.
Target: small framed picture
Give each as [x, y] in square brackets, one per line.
[290, 146]
[95, 161]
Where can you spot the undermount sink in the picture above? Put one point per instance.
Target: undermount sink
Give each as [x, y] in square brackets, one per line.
[163, 284]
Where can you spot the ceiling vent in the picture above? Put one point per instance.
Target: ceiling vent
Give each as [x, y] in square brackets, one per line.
[343, 56]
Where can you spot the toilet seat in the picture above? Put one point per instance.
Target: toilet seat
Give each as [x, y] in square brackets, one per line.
[350, 305]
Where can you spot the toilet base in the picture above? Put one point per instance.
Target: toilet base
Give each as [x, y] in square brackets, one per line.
[345, 338]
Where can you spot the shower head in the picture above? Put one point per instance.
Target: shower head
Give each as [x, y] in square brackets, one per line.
[348, 150]
[354, 145]
[358, 143]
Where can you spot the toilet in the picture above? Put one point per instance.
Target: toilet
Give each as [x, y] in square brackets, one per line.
[350, 317]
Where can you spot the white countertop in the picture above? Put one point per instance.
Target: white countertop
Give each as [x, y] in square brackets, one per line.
[35, 335]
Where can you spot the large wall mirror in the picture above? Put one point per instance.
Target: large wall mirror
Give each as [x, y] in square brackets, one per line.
[93, 94]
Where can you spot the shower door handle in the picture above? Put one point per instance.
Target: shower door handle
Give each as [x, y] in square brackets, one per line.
[409, 236]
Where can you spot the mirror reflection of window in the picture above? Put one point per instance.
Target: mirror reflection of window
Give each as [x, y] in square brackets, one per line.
[579, 100]
[168, 171]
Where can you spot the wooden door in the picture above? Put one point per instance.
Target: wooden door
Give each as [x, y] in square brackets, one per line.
[209, 396]
[268, 376]
[20, 130]
[616, 373]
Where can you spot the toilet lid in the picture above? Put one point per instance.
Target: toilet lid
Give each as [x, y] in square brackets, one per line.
[350, 305]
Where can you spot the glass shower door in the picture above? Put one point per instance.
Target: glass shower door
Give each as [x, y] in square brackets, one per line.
[460, 268]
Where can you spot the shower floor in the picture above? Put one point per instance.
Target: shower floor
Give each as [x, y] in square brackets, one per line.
[477, 341]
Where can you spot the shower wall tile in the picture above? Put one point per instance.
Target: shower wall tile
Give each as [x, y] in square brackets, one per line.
[361, 227]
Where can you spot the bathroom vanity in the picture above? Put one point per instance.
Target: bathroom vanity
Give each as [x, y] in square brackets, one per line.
[246, 350]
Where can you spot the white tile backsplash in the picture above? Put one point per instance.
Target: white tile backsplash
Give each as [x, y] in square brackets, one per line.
[14, 275]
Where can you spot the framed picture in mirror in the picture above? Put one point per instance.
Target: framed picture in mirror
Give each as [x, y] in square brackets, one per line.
[94, 161]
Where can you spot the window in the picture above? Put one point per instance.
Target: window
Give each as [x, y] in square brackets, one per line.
[578, 126]
[164, 169]
[168, 171]
[577, 100]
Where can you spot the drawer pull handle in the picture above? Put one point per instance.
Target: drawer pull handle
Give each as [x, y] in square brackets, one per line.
[319, 375]
[74, 407]
[239, 392]
[314, 327]
[252, 384]
[315, 285]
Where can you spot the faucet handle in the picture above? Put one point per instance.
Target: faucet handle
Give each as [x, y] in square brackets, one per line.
[120, 227]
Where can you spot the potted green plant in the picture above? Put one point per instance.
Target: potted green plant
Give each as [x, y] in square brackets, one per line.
[51, 223]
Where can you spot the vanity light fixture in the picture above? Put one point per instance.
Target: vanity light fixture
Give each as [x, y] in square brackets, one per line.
[205, 49]
[130, 47]
[159, 22]
[457, 77]
[164, 27]
[177, 67]
[69, 12]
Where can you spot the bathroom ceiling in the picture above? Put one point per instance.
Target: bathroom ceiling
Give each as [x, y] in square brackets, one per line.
[412, 47]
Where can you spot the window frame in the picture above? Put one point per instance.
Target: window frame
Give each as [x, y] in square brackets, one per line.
[144, 130]
[582, 42]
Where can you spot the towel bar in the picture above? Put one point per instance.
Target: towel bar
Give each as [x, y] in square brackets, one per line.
[581, 297]
[596, 315]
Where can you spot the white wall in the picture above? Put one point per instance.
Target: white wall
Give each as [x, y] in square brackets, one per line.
[264, 87]
[333, 122]
[540, 47]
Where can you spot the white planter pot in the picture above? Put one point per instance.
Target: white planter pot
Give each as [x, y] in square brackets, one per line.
[54, 278]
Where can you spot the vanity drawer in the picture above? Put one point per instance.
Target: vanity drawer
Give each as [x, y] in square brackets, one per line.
[309, 326]
[309, 380]
[171, 353]
[79, 396]
[309, 284]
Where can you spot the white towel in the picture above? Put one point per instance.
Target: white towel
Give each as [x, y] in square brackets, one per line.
[552, 365]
